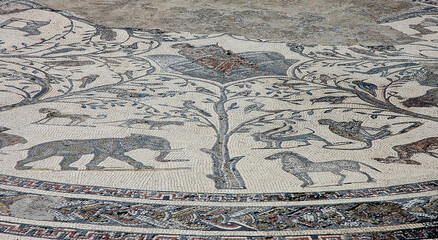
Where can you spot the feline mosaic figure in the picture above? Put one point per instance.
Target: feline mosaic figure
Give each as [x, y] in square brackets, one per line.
[430, 99]
[407, 151]
[75, 119]
[274, 139]
[355, 131]
[153, 124]
[300, 166]
[73, 150]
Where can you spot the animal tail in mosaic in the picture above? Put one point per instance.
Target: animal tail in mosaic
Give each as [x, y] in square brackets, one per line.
[367, 165]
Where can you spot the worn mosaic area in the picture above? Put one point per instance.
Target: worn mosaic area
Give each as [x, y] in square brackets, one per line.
[340, 22]
[112, 133]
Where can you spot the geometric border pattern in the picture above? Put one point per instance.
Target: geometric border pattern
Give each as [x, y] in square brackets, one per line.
[422, 210]
[75, 234]
[216, 197]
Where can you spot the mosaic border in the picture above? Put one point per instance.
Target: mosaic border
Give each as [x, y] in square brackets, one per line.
[27, 230]
[215, 197]
[415, 210]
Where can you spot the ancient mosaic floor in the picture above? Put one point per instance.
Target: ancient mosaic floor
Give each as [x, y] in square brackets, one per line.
[129, 134]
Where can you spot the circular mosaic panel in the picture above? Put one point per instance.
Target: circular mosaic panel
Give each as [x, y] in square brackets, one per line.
[132, 134]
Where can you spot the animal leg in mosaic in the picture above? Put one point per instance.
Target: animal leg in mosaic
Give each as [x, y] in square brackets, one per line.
[73, 150]
[300, 166]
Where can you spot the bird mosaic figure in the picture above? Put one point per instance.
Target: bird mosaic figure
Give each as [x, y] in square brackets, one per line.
[31, 27]
[191, 105]
[330, 99]
[367, 87]
[87, 80]
[253, 107]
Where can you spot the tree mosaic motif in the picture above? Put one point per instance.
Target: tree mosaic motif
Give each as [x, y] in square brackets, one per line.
[206, 85]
